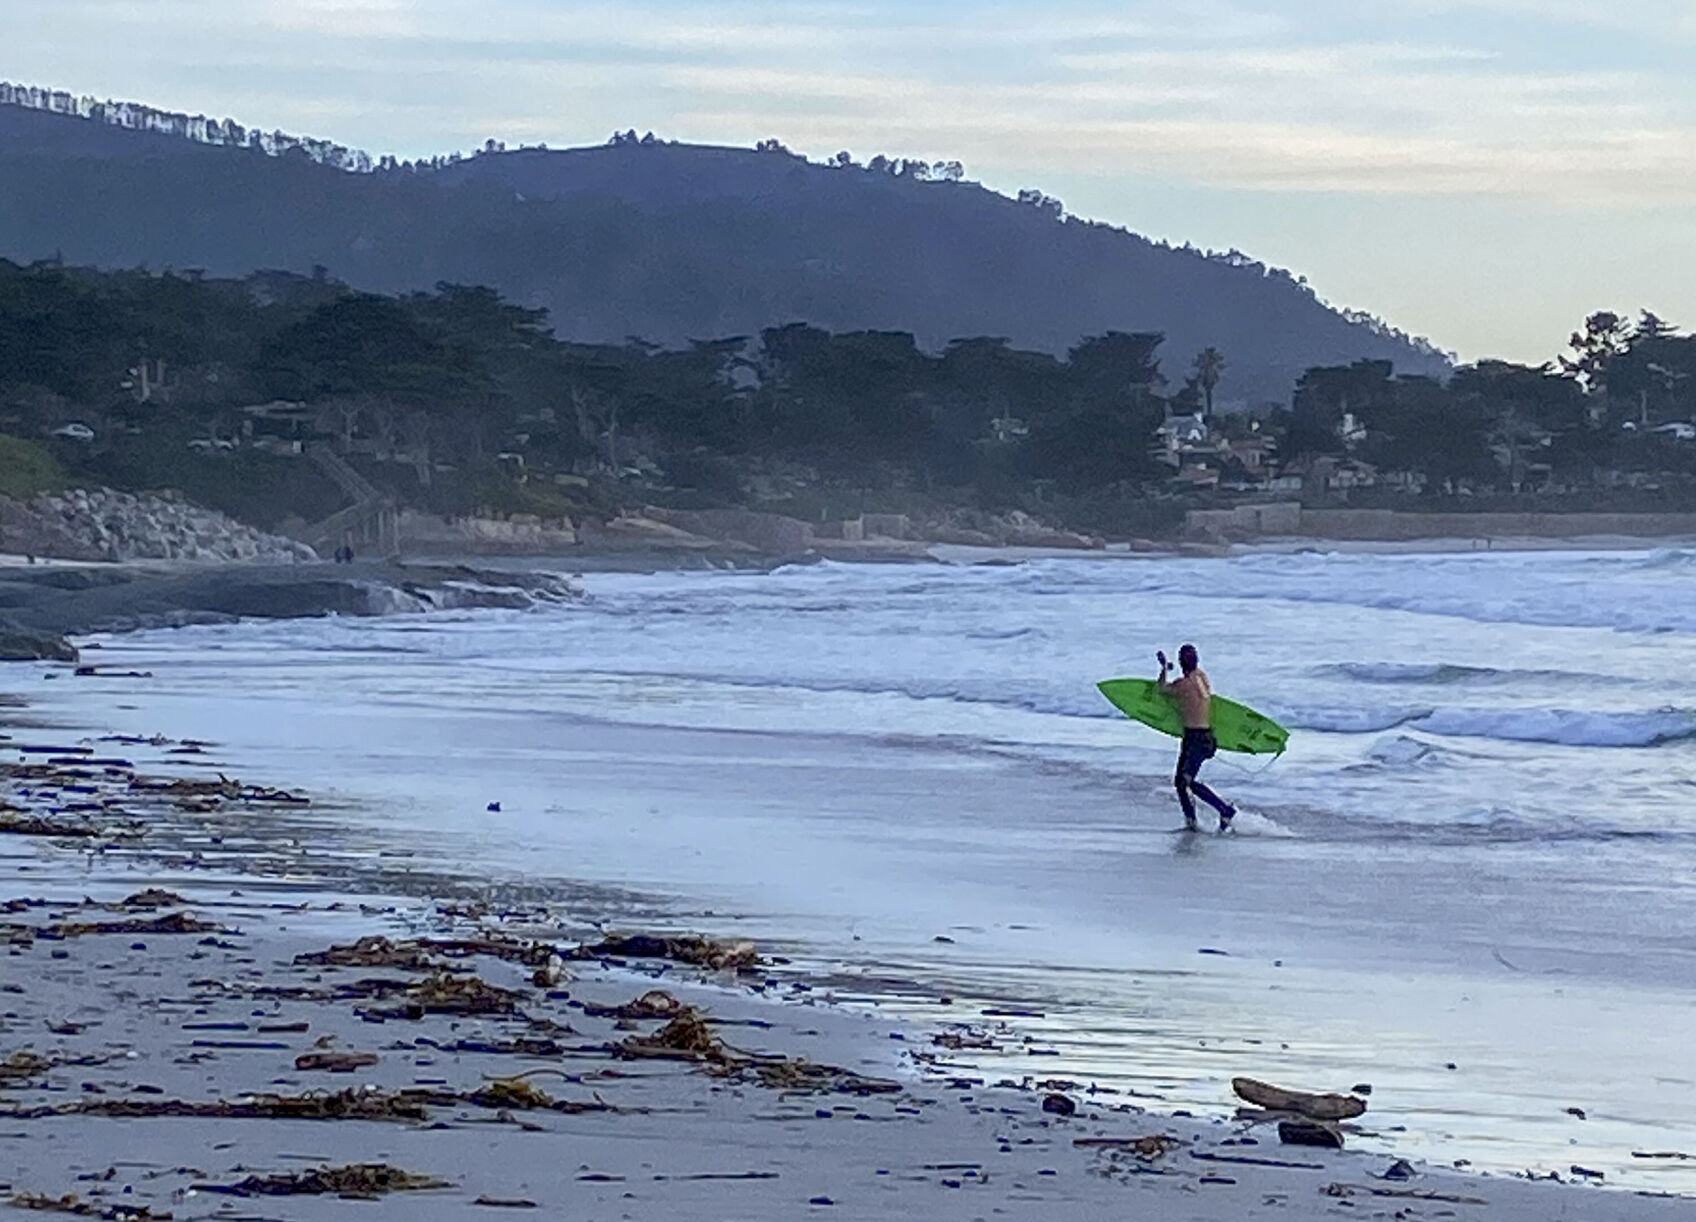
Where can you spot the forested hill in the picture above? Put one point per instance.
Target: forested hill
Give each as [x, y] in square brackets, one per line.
[669, 243]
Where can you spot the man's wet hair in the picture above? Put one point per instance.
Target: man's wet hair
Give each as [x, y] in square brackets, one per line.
[1188, 658]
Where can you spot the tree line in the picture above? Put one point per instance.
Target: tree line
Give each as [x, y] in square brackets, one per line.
[481, 398]
[1617, 409]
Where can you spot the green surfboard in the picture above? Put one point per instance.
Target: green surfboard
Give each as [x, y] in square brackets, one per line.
[1236, 726]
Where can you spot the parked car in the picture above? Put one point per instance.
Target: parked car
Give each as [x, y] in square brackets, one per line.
[1678, 430]
[74, 432]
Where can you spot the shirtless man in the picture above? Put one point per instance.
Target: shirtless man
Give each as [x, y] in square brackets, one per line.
[1194, 695]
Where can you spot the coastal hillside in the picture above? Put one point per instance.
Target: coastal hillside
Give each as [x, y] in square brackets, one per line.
[664, 241]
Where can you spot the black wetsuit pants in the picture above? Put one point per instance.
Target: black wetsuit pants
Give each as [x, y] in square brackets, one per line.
[1199, 747]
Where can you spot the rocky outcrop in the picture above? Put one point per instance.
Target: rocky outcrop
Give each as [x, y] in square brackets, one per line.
[19, 644]
[100, 524]
[40, 605]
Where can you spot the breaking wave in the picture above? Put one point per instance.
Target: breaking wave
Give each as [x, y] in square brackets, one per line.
[1566, 727]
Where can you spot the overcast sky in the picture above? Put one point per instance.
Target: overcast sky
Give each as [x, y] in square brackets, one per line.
[1483, 172]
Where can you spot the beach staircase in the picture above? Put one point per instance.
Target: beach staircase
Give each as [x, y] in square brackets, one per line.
[371, 524]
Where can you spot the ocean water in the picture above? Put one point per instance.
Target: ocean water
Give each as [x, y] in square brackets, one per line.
[1471, 880]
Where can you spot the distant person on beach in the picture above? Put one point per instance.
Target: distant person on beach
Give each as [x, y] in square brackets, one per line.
[1194, 694]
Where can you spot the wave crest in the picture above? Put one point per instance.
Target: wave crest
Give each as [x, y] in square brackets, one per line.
[1566, 727]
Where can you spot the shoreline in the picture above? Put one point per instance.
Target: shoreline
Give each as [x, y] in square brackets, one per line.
[45, 605]
[683, 1138]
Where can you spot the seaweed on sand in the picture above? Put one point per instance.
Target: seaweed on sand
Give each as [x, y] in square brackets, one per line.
[151, 899]
[21, 1066]
[71, 1203]
[512, 950]
[351, 1104]
[522, 1046]
[419, 954]
[189, 787]
[27, 1064]
[175, 922]
[518, 1095]
[684, 1038]
[373, 951]
[207, 794]
[688, 1038]
[371, 1103]
[356, 1181]
[655, 1003]
[805, 1077]
[962, 1037]
[691, 949]
[14, 823]
[443, 993]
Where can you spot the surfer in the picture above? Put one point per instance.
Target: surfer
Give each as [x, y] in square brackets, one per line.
[1194, 695]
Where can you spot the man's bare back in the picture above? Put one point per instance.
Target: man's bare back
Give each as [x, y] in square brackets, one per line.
[1194, 694]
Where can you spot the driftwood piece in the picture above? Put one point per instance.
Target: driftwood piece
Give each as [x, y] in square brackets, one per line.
[1314, 1107]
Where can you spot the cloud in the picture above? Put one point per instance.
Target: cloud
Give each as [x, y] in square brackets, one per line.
[1413, 98]
[1660, 19]
[1369, 119]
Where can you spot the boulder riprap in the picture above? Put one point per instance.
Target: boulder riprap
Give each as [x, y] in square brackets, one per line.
[101, 524]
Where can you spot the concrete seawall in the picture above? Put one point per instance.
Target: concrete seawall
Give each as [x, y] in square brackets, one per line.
[1287, 519]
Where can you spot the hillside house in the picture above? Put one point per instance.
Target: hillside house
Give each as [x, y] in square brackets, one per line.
[1257, 452]
[1328, 475]
[281, 427]
[1178, 436]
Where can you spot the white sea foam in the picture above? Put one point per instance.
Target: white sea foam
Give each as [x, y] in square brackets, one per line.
[1563, 726]
[1401, 751]
[1252, 823]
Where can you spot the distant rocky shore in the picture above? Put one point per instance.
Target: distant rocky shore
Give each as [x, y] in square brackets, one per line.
[45, 605]
[100, 524]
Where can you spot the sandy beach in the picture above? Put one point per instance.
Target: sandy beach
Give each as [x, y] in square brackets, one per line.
[177, 982]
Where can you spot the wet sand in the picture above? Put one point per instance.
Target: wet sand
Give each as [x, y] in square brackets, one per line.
[196, 998]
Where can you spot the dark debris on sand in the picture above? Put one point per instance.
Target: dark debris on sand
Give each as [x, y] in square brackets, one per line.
[357, 1181]
[72, 1204]
[691, 949]
[687, 1037]
[444, 994]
